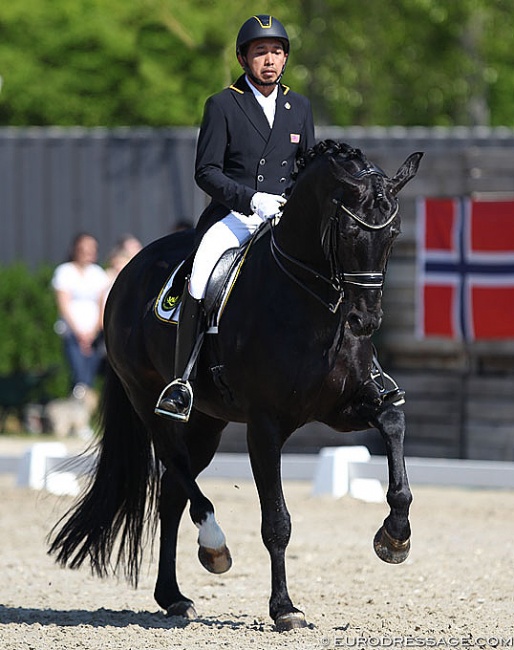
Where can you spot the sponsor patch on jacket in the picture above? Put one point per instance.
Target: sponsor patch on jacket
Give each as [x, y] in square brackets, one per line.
[294, 137]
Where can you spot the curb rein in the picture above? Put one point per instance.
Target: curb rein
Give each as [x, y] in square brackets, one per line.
[367, 279]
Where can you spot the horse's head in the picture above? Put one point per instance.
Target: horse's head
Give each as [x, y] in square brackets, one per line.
[360, 221]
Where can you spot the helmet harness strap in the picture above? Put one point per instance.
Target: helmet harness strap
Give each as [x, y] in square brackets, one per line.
[258, 82]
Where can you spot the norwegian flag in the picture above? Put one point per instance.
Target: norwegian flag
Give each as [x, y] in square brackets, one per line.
[465, 269]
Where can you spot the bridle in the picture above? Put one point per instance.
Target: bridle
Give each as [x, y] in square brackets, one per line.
[332, 283]
[369, 170]
[338, 278]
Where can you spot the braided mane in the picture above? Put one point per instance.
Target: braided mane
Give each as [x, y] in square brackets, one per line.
[327, 148]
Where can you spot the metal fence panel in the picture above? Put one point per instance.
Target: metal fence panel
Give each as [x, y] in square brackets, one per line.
[56, 182]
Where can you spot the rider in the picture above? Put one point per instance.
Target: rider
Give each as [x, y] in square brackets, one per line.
[250, 136]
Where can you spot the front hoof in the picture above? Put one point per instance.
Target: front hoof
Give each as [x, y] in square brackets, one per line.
[215, 560]
[182, 608]
[290, 621]
[390, 550]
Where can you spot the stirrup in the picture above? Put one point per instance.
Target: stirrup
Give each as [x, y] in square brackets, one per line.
[181, 416]
[388, 389]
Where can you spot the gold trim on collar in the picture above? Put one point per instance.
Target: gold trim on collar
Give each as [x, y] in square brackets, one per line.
[285, 89]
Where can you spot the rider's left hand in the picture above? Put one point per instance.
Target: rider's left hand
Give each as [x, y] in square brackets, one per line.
[267, 205]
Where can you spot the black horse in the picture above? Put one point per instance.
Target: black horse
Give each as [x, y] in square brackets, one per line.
[293, 347]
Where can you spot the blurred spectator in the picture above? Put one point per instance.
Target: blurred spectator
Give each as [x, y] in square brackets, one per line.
[80, 286]
[126, 247]
[129, 244]
[116, 260]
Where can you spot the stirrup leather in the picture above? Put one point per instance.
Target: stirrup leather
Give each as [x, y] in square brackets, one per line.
[388, 389]
[180, 416]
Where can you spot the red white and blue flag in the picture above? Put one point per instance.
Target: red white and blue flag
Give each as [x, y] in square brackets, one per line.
[465, 269]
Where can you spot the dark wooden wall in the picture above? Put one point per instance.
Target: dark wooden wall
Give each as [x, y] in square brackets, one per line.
[54, 182]
[460, 397]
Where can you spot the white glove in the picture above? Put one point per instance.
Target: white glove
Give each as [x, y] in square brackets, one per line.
[266, 205]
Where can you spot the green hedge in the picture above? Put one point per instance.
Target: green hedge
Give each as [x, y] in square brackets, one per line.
[28, 311]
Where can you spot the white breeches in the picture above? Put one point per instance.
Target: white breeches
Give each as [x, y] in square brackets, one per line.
[230, 232]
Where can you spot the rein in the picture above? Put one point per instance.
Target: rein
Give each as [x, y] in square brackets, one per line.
[334, 283]
[366, 279]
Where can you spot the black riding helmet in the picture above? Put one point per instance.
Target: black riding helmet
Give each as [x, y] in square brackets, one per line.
[261, 26]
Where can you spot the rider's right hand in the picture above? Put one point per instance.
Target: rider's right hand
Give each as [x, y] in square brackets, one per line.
[267, 205]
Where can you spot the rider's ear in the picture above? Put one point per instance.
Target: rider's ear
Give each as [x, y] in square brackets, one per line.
[406, 172]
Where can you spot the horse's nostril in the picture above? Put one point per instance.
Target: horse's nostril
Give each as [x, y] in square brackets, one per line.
[355, 322]
[364, 323]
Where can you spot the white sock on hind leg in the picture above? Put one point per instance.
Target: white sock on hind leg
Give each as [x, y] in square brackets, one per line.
[210, 534]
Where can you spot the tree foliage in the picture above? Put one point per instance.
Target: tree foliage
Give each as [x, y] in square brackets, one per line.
[154, 62]
[28, 342]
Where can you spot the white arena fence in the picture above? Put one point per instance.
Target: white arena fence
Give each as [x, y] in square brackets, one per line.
[335, 471]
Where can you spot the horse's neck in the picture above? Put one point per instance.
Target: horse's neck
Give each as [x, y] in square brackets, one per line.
[298, 232]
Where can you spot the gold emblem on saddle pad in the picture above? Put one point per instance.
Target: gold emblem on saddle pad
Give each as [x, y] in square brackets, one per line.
[169, 302]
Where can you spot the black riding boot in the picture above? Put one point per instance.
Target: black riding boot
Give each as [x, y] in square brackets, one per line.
[388, 389]
[176, 399]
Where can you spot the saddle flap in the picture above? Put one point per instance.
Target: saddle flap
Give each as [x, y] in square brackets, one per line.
[166, 306]
[225, 274]
[221, 277]
[219, 286]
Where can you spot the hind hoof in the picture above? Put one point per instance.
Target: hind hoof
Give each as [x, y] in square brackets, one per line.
[290, 621]
[390, 550]
[183, 608]
[215, 560]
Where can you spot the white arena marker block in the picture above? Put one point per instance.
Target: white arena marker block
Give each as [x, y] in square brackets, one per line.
[62, 484]
[32, 468]
[367, 489]
[332, 472]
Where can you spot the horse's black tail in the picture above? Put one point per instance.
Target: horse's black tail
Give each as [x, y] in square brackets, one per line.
[120, 499]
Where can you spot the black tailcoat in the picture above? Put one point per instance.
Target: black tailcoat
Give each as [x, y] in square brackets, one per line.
[238, 153]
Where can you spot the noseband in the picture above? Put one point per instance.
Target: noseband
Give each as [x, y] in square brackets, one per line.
[366, 280]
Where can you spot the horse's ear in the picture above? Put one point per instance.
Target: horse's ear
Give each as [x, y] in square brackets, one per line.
[344, 176]
[406, 172]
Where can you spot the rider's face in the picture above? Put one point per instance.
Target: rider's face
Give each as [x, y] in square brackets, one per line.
[265, 59]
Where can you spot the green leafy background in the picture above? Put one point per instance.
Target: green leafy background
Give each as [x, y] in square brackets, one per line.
[154, 62]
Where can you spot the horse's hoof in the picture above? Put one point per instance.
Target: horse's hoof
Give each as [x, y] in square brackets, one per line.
[290, 621]
[182, 608]
[215, 560]
[390, 550]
